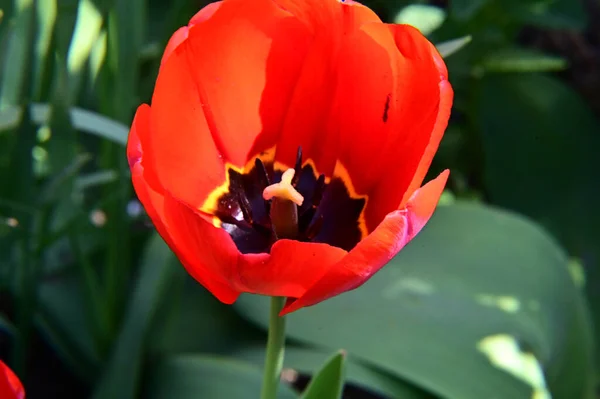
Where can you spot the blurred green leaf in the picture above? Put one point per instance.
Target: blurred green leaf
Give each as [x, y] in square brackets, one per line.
[63, 321]
[6, 325]
[521, 60]
[423, 17]
[193, 377]
[476, 284]
[45, 19]
[84, 120]
[466, 9]
[15, 71]
[85, 34]
[328, 382]
[121, 376]
[306, 360]
[540, 141]
[549, 14]
[191, 319]
[450, 47]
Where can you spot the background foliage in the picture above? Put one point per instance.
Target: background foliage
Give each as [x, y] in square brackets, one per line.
[497, 295]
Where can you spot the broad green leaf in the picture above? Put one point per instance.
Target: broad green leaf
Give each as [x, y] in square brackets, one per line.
[193, 377]
[522, 60]
[121, 376]
[426, 18]
[306, 360]
[540, 141]
[450, 47]
[84, 120]
[475, 304]
[328, 382]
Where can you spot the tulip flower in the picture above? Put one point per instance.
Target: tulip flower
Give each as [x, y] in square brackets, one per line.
[10, 386]
[240, 90]
[286, 144]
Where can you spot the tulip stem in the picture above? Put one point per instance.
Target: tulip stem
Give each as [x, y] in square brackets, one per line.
[275, 350]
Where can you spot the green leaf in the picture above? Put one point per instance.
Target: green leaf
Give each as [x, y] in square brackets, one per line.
[550, 137]
[306, 360]
[475, 281]
[549, 14]
[63, 320]
[191, 319]
[192, 377]
[15, 71]
[123, 371]
[466, 9]
[84, 120]
[423, 17]
[450, 47]
[85, 34]
[46, 19]
[328, 382]
[522, 60]
[549, 134]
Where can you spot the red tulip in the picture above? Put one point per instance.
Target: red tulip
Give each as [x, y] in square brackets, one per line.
[240, 90]
[10, 386]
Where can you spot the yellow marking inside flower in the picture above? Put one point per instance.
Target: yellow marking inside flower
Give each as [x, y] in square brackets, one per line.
[210, 205]
[284, 189]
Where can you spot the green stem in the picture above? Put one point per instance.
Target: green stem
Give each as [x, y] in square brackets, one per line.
[275, 350]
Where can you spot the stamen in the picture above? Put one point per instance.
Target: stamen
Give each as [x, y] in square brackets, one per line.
[297, 167]
[319, 189]
[263, 177]
[314, 227]
[245, 207]
[228, 219]
[284, 189]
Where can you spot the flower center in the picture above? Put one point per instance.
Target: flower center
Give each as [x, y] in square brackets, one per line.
[263, 204]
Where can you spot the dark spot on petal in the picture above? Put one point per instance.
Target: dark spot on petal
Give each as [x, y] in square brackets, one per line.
[386, 108]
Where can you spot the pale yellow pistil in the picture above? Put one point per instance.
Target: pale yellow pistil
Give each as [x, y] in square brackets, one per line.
[285, 200]
[284, 189]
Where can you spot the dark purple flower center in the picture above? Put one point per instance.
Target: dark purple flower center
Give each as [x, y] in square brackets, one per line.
[328, 214]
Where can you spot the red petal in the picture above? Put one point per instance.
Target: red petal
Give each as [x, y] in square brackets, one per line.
[153, 199]
[290, 269]
[222, 94]
[182, 33]
[10, 385]
[308, 122]
[377, 249]
[421, 115]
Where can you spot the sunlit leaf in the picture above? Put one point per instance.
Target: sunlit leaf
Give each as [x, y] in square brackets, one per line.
[450, 47]
[426, 18]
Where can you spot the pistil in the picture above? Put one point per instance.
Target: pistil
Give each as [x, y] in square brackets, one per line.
[285, 200]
